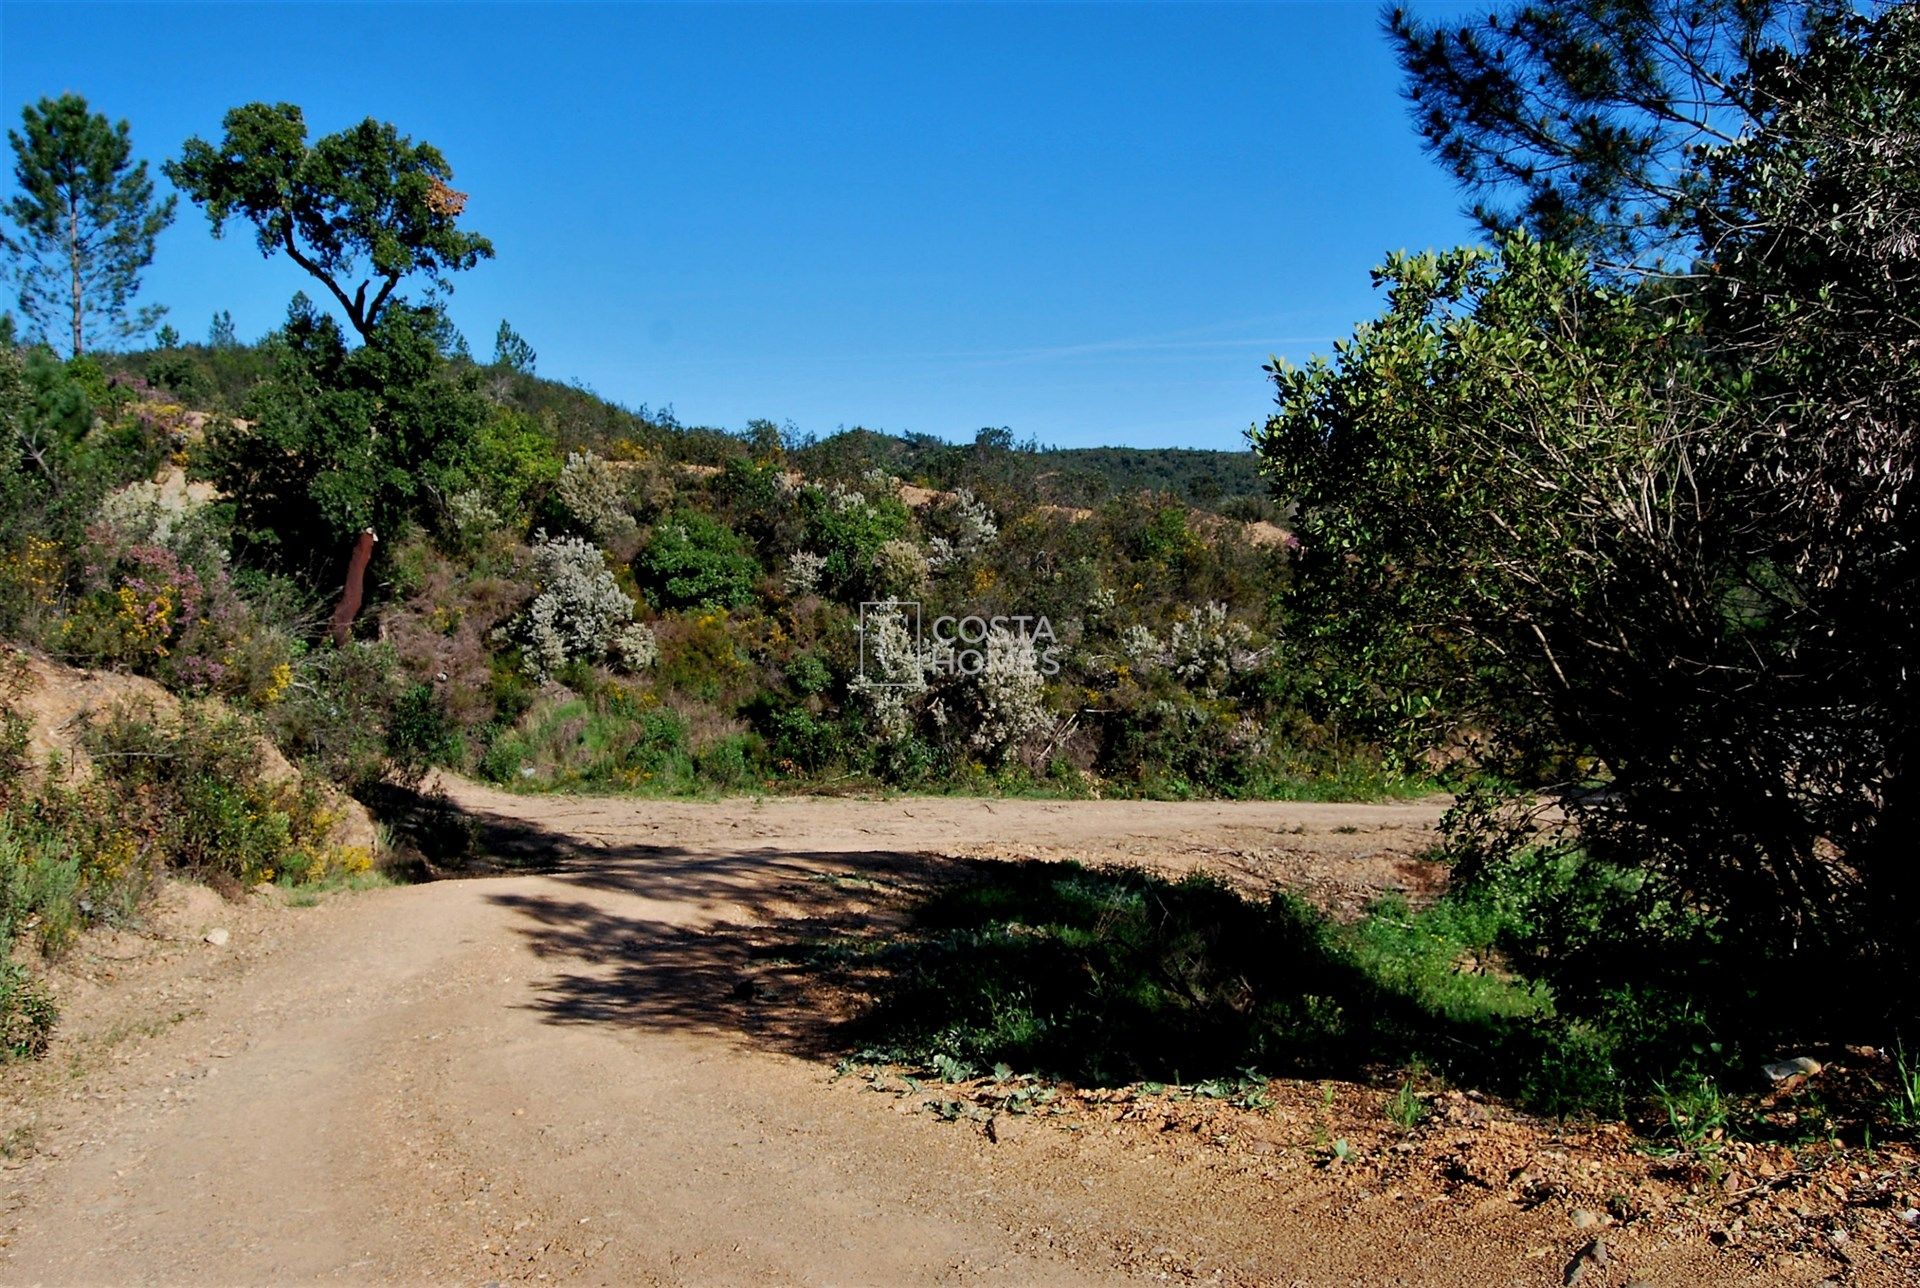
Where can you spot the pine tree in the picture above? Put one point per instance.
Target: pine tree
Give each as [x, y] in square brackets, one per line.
[83, 225]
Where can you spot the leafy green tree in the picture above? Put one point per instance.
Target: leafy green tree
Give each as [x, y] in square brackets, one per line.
[166, 337]
[343, 439]
[367, 199]
[221, 334]
[1663, 530]
[84, 224]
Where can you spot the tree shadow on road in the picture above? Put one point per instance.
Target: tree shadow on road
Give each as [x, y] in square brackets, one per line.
[1100, 976]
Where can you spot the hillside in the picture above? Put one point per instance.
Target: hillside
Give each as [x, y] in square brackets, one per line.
[1228, 482]
[594, 595]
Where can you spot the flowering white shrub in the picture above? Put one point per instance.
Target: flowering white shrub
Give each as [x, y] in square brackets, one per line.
[634, 647]
[1207, 649]
[146, 512]
[579, 609]
[590, 490]
[804, 571]
[1142, 648]
[973, 527]
[899, 568]
[845, 498]
[470, 517]
[893, 675]
[1009, 695]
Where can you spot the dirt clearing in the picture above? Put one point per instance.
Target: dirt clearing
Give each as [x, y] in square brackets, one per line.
[557, 1074]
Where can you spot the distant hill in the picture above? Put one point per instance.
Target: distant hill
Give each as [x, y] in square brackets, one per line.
[1207, 479]
[1224, 482]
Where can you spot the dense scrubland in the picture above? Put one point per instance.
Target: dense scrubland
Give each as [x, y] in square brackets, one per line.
[1606, 525]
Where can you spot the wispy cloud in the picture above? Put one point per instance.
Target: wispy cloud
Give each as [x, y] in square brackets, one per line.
[1174, 345]
[1125, 348]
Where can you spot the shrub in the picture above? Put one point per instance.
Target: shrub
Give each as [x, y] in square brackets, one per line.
[893, 675]
[797, 739]
[614, 738]
[807, 675]
[700, 656]
[336, 710]
[899, 570]
[27, 1013]
[996, 709]
[593, 495]
[847, 529]
[634, 647]
[419, 733]
[579, 610]
[963, 528]
[196, 790]
[515, 460]
[728, 763]
[470, 519]
[694, 561]
[1206, 650]
[804, 572]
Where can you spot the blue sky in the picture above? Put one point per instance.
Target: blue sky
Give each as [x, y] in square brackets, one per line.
[1088, 223]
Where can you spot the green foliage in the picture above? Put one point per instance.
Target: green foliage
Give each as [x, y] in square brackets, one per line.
[199, 791]
[190, 795]
[1646, 529]
[512, 351]
[730, 764]
[807, 675]
[798, 740]
[1903, 1106]
[611, 739]
[1118, 976]
[1436, 488]
[367, 196]
[28, 1014]
[419, 733]
[344, 440]
[515, 460]
[49, 483]
[1696, 1115]
[1594, 117]
[849, 533]
[84, 225]
[336, 714]
[693, 561]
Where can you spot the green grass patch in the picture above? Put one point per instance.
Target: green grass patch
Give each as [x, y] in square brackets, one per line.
[1112, 976]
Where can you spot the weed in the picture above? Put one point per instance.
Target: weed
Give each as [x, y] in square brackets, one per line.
[1697, 1117]
[1903, 1106]
[27, 1013]
[1406, 1110]
[950, 1069]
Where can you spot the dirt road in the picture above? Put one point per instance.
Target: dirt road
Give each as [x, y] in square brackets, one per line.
[557, 1075]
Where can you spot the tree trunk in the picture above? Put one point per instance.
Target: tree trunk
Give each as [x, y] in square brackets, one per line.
[351, 594]
[73, 264]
